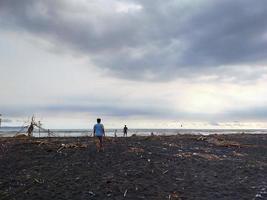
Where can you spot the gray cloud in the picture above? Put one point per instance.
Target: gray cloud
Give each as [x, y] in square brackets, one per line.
[164, 40]
[93, 109]
[253, 113]
[148, 111]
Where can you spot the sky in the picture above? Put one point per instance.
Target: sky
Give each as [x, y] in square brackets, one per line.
[144, 63]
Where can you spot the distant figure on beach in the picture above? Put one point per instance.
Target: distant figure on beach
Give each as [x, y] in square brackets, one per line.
[99, 132]
[125, 130]
[115, 133]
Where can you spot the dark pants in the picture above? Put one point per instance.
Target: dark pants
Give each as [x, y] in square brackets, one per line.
[100, 140]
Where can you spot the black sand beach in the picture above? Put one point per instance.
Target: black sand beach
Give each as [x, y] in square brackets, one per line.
[158, 167]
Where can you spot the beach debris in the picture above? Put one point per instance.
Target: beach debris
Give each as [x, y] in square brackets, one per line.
[202, 155]
[165, 172]
[222, 142]
[184, 155]
[170, 144]
[60, 148]
[30, 129]
[237, 154]
[135, 150]
[218, 141]
[41, 142]
[91, 193]
[109, 193]
[207, 156]
[125, 193]
[258, 196]
[201, 138]
[21, 136]
[262, 193]
[72, 145]
[38, 181]
[75, 145]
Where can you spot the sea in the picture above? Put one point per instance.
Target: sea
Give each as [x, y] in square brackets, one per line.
[12, 131]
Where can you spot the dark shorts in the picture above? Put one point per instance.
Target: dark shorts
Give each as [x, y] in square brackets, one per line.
[100, 138]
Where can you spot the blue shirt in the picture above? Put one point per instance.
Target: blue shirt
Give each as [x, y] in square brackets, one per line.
[99, 129]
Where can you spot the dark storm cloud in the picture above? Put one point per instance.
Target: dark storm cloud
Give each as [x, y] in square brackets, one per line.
[163, 40]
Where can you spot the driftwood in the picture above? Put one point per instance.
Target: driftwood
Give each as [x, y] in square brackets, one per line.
[72, 145]
[21, 136]
[125, 193]
[202, 155]
[222, 142]
[135, 150]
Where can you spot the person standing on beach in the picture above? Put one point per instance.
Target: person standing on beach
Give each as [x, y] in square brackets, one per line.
[125, 130]
[99, 132]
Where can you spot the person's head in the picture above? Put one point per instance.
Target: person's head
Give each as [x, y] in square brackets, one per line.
[124, 125]
[98, 120]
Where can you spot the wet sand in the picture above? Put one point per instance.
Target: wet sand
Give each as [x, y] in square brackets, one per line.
[158, 167]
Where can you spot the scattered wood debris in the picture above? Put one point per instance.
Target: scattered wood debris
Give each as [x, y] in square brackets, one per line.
[125, 193]
[222, 142]
[207, 156]
[21, 136]
[72, 145]
[202, 155]
[238, 154]
[184, 155]
[135, 150]
[165, 172]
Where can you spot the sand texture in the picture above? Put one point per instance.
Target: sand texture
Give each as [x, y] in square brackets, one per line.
[157, 167]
